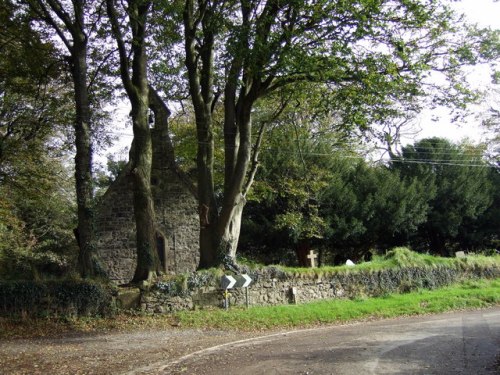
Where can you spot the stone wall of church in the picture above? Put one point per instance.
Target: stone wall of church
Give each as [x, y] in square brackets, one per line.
[177, 221]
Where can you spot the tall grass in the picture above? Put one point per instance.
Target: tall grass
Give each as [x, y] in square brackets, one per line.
[397, 258]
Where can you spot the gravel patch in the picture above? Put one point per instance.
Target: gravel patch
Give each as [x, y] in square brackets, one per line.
[115, 353]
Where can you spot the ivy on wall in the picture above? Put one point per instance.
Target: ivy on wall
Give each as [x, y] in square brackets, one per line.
[60, 298]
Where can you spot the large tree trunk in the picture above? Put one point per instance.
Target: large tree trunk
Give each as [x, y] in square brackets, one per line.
[136, 86]
[229, 224]
[208, 210]
[148, 264]
[199, 64]
[49, 12]
[228, 243]
[83, 161]
[219, 225]
[219, 242]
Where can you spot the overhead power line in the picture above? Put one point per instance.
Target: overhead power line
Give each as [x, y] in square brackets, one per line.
[444, 162]
[458, 163]
[416, 161]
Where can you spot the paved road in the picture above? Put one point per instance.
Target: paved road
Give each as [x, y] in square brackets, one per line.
[456, 343]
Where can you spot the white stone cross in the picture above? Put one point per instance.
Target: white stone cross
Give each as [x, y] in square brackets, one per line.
[312, 256]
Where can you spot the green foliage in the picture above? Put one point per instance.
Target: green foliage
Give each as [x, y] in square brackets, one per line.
[400, 258]
[34, 94]
[371, 207]
[185, 143]
[436, 197]
[36, 224]
[404, 257]
[104, 178]
[318, 74]
[55, 298]
[459, 177]
[36, 203]
[297, 162]
[483, 234]
[370, 60]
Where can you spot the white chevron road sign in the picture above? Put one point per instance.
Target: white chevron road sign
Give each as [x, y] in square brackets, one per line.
[238, 281]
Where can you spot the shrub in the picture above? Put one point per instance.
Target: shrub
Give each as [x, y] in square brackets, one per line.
[60, 298]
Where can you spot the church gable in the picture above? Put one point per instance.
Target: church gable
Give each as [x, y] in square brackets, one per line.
[177, 224]
[176, 217]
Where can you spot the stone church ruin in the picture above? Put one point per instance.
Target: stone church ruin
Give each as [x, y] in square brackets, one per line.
[176, 214]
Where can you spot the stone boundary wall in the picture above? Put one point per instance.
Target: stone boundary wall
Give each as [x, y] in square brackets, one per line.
[272, 286]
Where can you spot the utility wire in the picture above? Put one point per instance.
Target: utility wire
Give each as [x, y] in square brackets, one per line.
[447, 162]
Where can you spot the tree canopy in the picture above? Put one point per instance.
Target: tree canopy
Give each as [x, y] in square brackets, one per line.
[459, 176]
[372, 58]
[36, 214]
[269, 95]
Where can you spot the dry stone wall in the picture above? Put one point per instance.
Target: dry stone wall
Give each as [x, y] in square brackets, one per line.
[272, 286]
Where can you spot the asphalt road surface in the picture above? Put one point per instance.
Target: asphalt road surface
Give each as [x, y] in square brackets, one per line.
[455, 343]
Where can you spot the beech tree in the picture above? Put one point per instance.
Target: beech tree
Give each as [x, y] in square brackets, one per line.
[37, 213]
[370, 60]
[32, 90]
[69, 21]
[373, 52]
[135, 81]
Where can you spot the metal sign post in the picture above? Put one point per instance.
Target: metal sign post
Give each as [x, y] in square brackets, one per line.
[226, 299]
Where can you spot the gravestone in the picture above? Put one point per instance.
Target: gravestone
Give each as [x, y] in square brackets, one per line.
[350, 263]
[460, 254]
[312, 258]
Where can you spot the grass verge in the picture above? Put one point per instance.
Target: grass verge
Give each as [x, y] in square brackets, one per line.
[466, 295]
[470, 294]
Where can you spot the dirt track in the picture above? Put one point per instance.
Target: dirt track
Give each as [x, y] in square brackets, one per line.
[116, 353]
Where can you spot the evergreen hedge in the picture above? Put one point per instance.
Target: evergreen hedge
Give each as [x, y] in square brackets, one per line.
[55, 298]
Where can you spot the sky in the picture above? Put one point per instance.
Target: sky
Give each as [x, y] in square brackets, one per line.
[484, 13]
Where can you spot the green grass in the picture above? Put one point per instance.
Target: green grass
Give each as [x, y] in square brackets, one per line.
[471, 294]
[400, 257]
